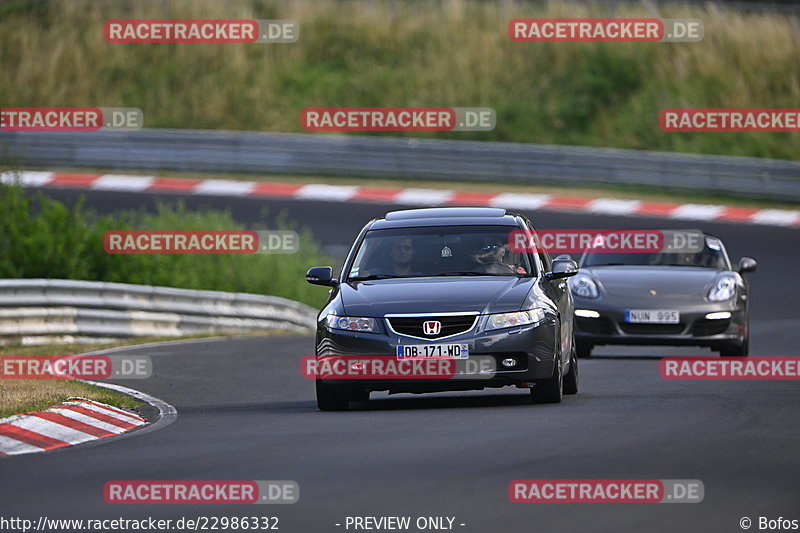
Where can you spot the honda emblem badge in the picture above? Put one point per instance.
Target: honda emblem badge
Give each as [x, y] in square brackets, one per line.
[432, 327]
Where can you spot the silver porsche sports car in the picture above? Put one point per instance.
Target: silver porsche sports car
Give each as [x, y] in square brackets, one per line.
[663, 299]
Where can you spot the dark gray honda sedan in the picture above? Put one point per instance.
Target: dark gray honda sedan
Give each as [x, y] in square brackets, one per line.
[444, 284]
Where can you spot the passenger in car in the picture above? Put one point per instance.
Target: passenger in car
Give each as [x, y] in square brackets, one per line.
[402, 256]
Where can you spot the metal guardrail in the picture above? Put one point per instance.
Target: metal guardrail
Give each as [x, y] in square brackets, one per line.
[48, 310]
[786, 8]
[357, 155]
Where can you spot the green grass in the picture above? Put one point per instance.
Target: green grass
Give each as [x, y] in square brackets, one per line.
[29, 395]
[390, 53]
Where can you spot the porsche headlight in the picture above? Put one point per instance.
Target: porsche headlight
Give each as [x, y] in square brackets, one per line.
[583, 286]
[351, 323]
[722, 289]
[520, 318]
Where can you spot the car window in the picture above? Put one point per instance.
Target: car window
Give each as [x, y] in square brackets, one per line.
[544, 256]
[711, 256]
[438, 251]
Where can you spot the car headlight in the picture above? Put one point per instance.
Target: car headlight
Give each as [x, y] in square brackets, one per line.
[583, 286]
[722, 289]
[351, 323]
[520, 318]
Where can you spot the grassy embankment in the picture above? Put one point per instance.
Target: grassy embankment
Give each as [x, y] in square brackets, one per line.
[380, 53]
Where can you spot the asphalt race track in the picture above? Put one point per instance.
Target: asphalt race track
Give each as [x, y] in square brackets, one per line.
[246, 413]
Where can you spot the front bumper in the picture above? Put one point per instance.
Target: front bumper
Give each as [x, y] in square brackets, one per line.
[533, 347]
[694, 329]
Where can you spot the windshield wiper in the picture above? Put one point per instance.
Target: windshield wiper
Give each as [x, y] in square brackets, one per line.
[615, 265]
[374, 276]
[462, 273]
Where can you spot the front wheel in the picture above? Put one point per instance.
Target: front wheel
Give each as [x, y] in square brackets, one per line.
[551, 389]
[331, 398]
[584, 349]
[571, 379]
[736, 350]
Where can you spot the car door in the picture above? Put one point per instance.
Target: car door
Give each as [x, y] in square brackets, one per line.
[558, 291]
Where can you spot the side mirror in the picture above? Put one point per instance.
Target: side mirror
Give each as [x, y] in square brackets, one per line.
[321, 276]
[746, 264]
[562, 268]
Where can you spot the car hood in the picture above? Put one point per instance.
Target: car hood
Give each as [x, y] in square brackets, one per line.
[435, 295]
[637, 281]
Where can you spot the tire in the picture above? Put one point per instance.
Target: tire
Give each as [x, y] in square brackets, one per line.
[583, 349]
[359, 395]
[550, 390]
[331, 398]
[571, 379]
[736, 350]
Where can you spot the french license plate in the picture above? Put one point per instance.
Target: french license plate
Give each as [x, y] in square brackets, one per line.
[652, 316]
[433, 351]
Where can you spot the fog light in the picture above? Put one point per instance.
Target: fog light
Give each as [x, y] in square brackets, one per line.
[508, 363]
[587, 313]
[718, 316]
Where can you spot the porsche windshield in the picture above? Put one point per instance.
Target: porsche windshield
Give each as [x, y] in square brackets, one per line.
[711, 256]
[438, 251]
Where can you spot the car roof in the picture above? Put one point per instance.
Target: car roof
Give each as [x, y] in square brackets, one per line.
[446, 216]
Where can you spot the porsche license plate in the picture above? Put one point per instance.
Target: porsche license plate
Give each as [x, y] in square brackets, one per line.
[652, 316]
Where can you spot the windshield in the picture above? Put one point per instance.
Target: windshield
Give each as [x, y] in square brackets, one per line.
[438, 251]
[711, 256]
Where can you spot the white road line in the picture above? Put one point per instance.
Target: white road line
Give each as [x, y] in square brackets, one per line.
[116, 410]
[130, 419]
[225, 187]
[698, 211]
[11, 446]
[114, 182]
[106, 406]
[776, 217]
[520, 201]
[423, 197]
[26, 178]
[318, 191]
[613, 206]
[52, 430]
[86, 419]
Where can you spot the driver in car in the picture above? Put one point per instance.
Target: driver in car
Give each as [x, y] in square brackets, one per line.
[489, 257]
